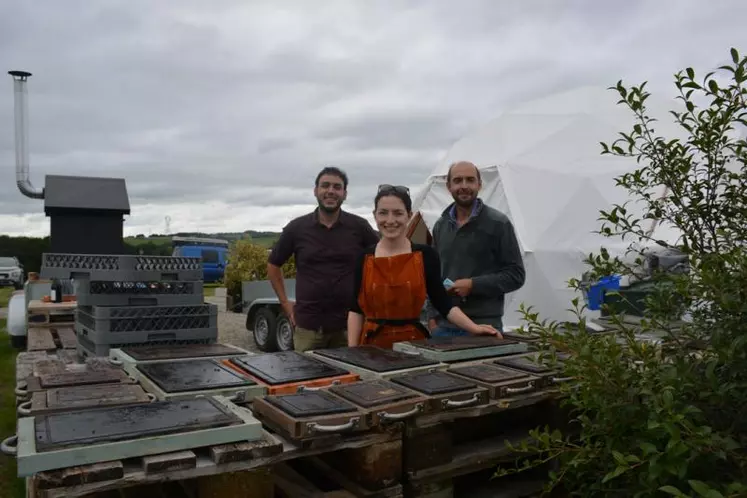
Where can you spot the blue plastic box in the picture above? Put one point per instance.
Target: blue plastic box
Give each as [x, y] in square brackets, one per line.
[596, 291]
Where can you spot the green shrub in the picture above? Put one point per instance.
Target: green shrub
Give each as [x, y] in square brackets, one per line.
[247, 262]
[670, 418]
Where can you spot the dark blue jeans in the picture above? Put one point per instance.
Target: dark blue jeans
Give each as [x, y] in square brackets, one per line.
[448, 332]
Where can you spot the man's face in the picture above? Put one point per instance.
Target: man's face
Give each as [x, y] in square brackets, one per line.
[330, 193]
[464, 185]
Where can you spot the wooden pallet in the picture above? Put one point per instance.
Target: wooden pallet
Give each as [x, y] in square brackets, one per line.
[217, 462]
[51, 339]
[42, 314]
[440, 449]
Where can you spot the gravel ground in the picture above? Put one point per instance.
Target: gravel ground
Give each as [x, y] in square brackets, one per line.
[231, 326]
[232, 330]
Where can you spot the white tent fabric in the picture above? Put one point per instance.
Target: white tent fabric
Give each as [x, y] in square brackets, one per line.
[541, 165]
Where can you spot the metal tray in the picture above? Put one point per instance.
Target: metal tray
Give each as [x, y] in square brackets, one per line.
[61, 440]
[445, 391]
[529, 363]
[501, 382]
[286, 367]
[83, 398]
[182, 380]
[129, 356]
[449, 349]
[372, 362]
[279, 371]
[385, 401]
[309, 414]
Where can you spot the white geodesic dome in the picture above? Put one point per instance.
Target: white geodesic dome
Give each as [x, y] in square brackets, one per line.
[541, 165]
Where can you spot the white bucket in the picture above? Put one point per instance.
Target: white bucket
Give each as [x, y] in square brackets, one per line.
[17, 315]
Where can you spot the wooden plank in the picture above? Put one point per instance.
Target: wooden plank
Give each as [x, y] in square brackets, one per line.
[168, 462]
[73, 476]
[226, 453]
[135, 475]
[67, 337]
[37, 305]
[471, 457]
[40, 340]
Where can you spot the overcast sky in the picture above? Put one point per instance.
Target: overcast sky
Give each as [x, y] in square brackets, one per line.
[219, 114]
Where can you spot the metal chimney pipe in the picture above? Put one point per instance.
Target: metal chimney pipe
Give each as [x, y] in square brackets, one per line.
[22, 149]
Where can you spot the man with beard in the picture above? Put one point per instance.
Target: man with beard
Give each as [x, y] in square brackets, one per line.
[480, 256]
[326, 244]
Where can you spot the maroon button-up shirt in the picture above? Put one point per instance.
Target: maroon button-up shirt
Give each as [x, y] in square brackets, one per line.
[325, 263]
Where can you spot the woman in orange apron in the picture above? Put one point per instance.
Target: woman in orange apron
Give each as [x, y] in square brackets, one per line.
[394, 278]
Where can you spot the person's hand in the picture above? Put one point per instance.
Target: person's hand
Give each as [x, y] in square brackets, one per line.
[461, 288]
[288, 308]
[487, 330]
[432, 324]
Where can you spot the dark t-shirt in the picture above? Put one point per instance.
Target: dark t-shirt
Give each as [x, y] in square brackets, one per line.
[325, 262]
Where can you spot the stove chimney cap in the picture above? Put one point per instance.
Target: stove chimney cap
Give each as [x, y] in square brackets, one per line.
[19, 74]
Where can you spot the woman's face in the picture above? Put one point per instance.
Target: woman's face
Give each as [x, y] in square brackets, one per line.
[391, 217]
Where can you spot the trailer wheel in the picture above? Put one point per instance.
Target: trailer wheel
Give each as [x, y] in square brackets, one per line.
[284, 334]
[265, 325]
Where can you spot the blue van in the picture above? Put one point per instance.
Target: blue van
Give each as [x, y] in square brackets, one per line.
[212, 252]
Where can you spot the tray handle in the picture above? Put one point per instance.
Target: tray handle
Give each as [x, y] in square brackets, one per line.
[558, 380]
[22, 389]
[520, 390]
[24, 409]
[151, 397]
[401, 416]
[307, 388]
[447, 403]
[9, 446]
[115, 361]
[314, 427]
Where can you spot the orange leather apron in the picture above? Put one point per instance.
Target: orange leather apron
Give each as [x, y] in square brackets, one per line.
[392, 296]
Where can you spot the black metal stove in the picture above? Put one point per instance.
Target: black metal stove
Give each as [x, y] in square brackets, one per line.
[86, 213]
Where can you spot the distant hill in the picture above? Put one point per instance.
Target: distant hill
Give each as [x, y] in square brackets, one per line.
[266, 239]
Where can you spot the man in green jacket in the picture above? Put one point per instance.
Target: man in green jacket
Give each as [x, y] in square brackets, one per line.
[480, 256]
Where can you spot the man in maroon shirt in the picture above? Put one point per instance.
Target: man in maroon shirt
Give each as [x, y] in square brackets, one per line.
[326, 244]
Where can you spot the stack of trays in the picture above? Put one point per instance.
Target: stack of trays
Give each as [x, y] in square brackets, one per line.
[126, 300]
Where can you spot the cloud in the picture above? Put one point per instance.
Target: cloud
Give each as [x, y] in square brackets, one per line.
[221, 114]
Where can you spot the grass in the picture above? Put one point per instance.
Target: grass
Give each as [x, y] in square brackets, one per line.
[10, 485]
[155, 240]
[5, 293]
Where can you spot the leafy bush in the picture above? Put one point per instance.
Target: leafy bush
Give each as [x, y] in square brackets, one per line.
[668, 418]
[248, 261]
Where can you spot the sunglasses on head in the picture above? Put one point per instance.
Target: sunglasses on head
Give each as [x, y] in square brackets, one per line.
[394, 188]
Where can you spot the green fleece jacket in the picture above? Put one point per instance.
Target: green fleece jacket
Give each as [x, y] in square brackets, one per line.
[486, 250]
